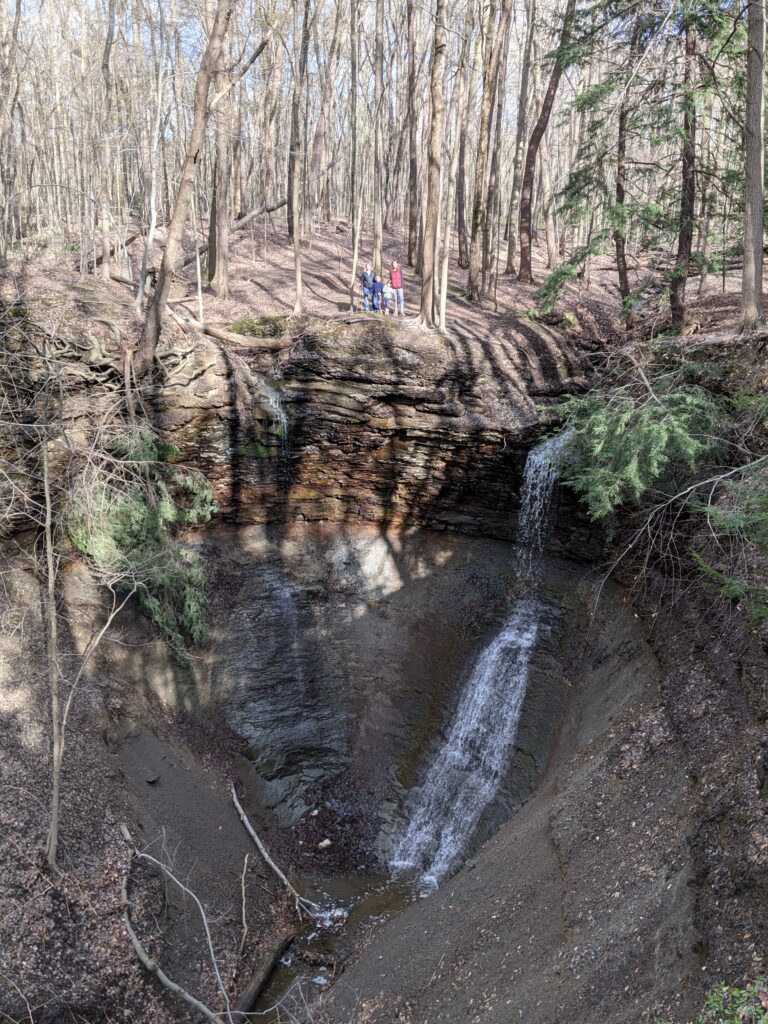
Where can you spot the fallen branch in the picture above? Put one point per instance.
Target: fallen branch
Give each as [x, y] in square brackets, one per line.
[300, 903]
[113, 249]
[237, 225]
[244, 908]
[624, 352]
[143, 956]
[260, 977]
[152, 965]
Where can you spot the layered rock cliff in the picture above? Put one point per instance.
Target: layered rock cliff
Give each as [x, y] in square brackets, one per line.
[370, 422]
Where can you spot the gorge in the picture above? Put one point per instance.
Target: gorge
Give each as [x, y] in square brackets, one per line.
[400, 593]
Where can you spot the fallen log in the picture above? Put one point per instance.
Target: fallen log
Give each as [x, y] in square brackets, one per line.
[113, 249]
[237, 225]
[260, 977]
[262, 344]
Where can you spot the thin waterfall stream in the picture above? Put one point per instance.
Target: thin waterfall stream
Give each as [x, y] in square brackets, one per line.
[466, 773]
[460, 783]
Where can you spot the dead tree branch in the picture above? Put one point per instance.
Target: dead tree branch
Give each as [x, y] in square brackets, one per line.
[300, 903]
[152, 965]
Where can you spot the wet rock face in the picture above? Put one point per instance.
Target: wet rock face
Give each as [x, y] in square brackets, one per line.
[385, 425]
[339, 653]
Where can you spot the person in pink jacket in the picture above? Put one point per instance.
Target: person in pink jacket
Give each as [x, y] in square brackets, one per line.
[396, 284]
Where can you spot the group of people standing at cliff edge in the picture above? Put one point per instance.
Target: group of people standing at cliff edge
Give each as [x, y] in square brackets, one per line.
[383, 298]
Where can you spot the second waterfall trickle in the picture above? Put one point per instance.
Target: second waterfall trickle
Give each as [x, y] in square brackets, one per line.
[469, 768]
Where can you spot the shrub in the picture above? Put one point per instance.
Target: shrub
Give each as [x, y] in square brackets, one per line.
[125, 521]
[729, 1005]
[623, 445]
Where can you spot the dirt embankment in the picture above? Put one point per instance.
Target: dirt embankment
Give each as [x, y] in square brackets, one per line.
[635, 877]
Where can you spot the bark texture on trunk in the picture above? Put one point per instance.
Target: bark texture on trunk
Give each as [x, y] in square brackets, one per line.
[752, 280]
[525, 273]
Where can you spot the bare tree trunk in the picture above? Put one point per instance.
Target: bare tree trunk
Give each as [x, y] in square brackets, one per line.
[106, 158]
[489, 35]
[159, 302]
[490, 227]
[458, 105]
[319, 143]
[688, 181]
[7, 98]
[413, 165]
[620, 213]
[710, 209]
[547, 198]
[752, 279]
[153, 157]
[492, 37]
[356, 204]
[526, 195]
[434, 167]
[218, 247]
[301, 51]
[620, 231]
[522, 128]
[378, 138]
[461, 180]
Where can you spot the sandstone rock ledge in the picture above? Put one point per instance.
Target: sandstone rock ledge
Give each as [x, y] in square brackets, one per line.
[386, 423]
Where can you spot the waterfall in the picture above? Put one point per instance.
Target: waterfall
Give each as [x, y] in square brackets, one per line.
[468, 769]
[278, 417]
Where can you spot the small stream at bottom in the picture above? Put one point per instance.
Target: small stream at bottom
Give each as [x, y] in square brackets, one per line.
[308, 964]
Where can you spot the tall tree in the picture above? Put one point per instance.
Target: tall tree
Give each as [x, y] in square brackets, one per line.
[300, 57]
[687, 177]
[378, 135]
[459, 110]
[434, 168]
[159, 302]
[520, 134]
[106, 156]
[493, 33]
[752, 281]
[413, 163]
[525, 273]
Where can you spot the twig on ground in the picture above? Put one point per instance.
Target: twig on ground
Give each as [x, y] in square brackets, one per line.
[244, 913]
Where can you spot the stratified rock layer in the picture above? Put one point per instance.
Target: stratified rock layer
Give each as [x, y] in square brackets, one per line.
[384, 424]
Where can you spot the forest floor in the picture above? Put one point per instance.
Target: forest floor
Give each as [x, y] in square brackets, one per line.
[262, 284]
